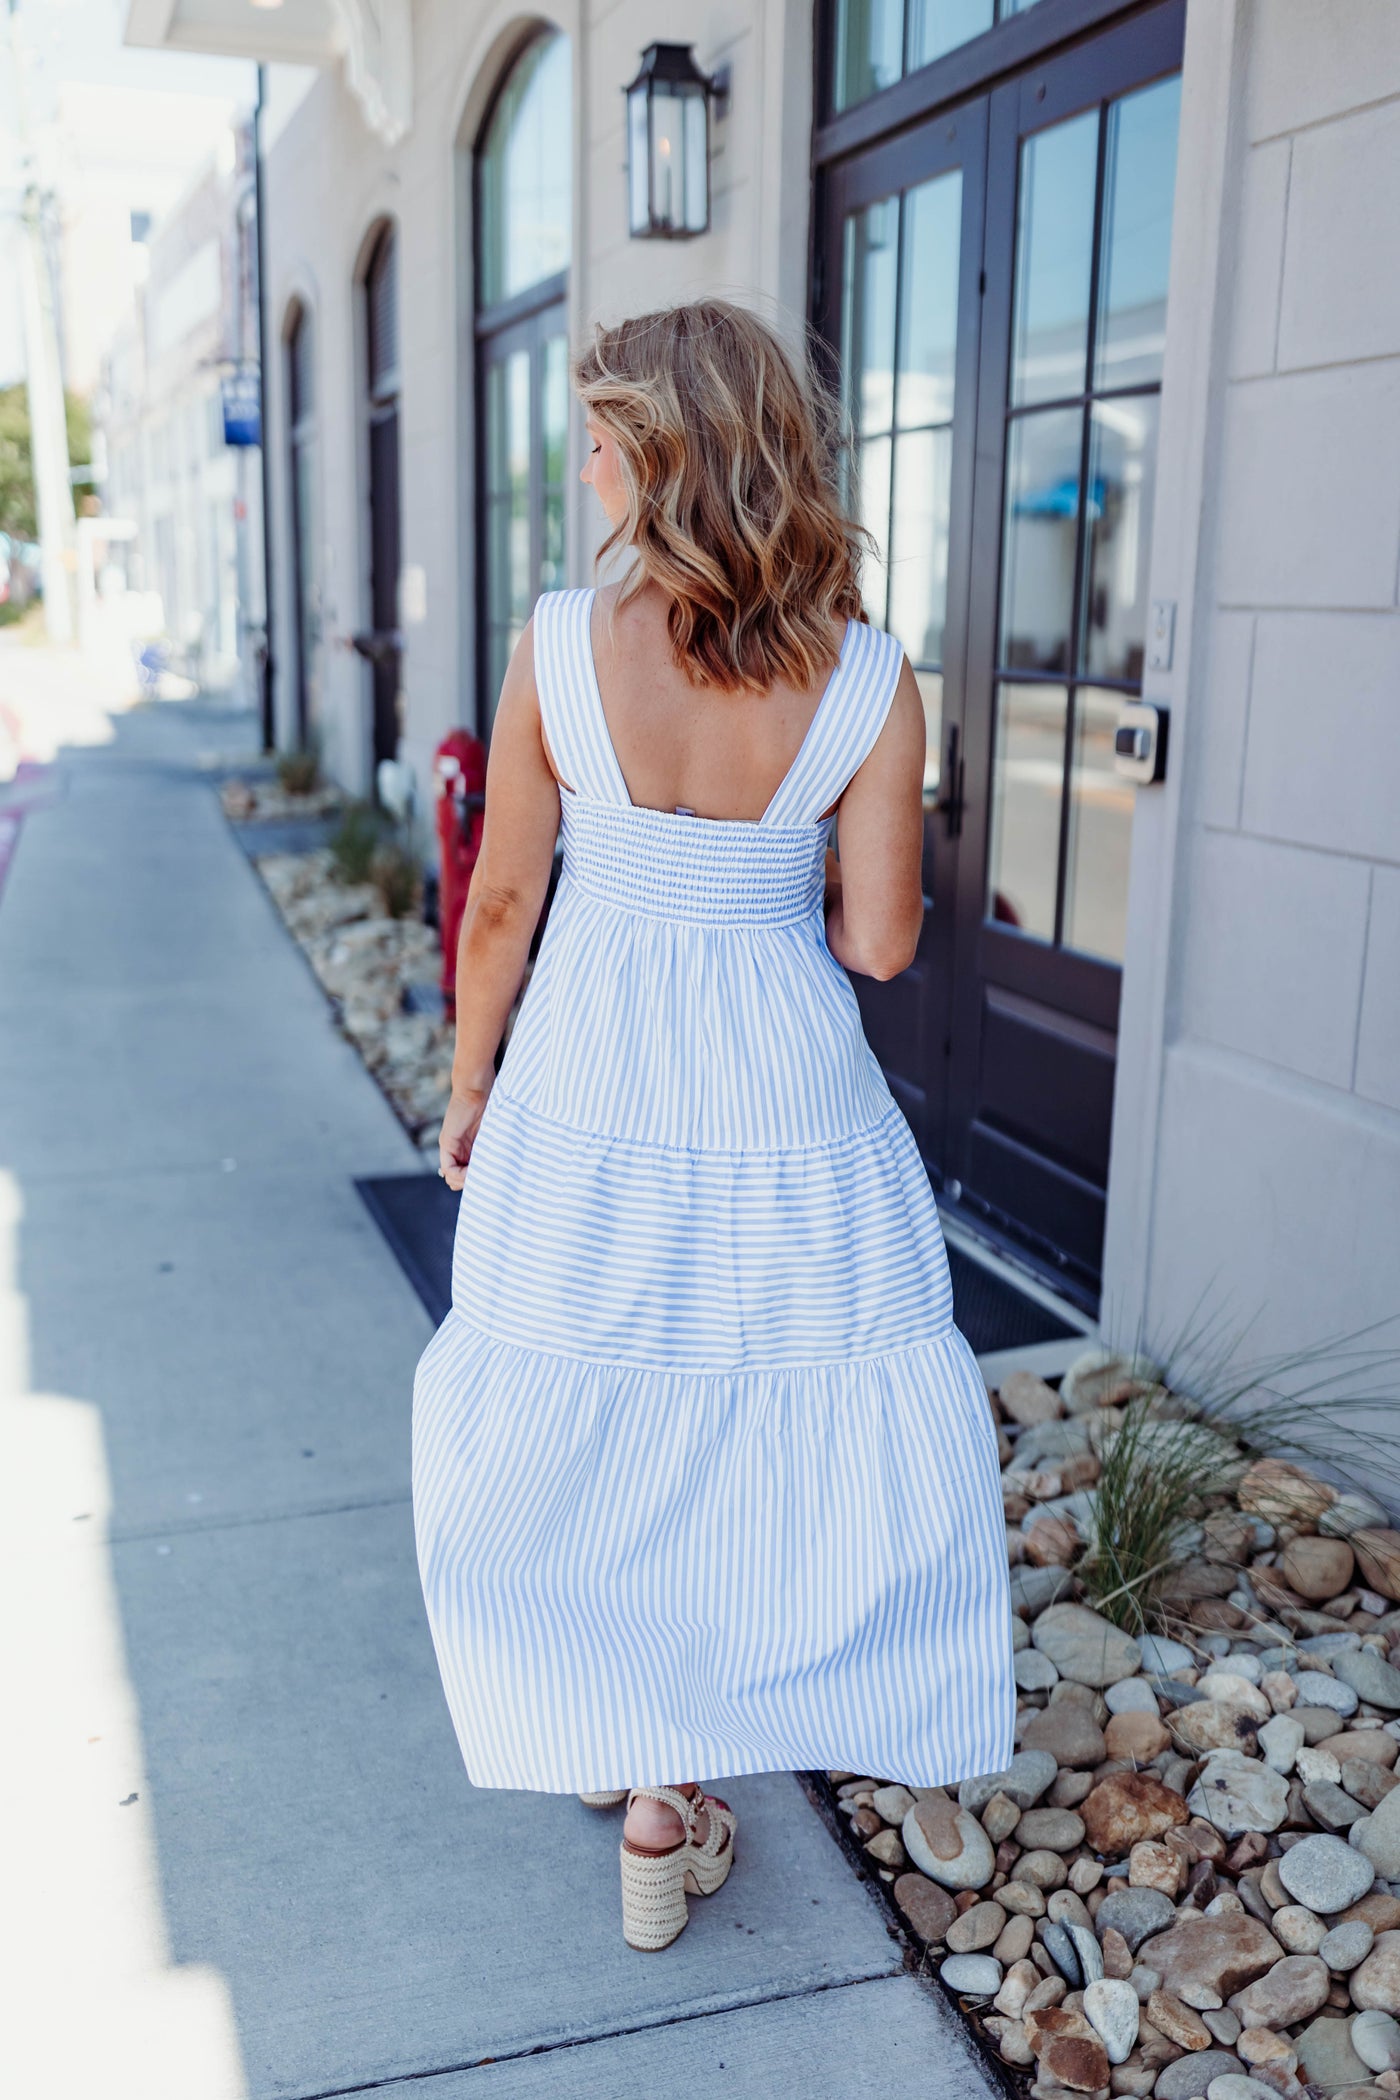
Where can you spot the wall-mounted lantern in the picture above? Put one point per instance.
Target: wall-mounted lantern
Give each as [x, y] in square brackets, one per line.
[668, 144]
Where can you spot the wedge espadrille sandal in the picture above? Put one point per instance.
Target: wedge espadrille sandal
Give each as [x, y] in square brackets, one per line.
[608, 1799]
[655, 1884]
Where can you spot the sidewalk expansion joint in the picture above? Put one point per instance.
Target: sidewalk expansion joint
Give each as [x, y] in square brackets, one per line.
[187, 1527]
[585, 2041]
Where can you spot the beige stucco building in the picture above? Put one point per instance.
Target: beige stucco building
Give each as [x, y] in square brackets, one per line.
[1113, 289]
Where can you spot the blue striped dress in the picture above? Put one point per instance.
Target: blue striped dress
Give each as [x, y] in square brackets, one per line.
[704, 1477]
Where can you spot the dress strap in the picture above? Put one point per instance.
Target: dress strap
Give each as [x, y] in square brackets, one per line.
[571, 706]
[849, 717]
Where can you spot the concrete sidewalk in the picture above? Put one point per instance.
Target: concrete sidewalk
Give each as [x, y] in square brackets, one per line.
[249, 1862]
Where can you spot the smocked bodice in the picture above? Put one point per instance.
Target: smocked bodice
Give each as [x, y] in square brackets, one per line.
[693, 869]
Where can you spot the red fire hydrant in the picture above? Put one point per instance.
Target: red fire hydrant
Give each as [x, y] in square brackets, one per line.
[459, 769]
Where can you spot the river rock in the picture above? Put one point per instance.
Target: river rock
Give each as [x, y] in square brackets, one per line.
[948, 1844]
[1367, 1783]
[1375, 2037]
[1014, 1942]
[1131, 1695]
[1293, 1989]
[1033, 1671]
[1190, 2077]
[1326, 2057]
[1025, 1779]
[1177, 2021]
[1032, 1589]
[1068, 1732]
[1347, 1945]
[1111, 2008]
[1352, 1510]
[1102, 1378]
[1062, 1951]
[1237, 1794]
[1316, 1690]
[1378, 1559]
[1330, 1807]
[1050, 1829]
[1317, 1568]
[929, 1909]
[1162, 1656]
[1371, 1677]
[1280, 1740]
[1088, 1950]
[1238, 2085]
[1378, 1837]
[1000, 1817]
[1319, 1723]
[1225, 1953]
[1139, 1736]
[1084, 1647]
[1325, 1873]
[1129, 1806]
[1020, 1980]
[1209, 1724]
[1376, 1984]
[976, 1929]
[972, 1975]
[1152, 1865]
[1135, 1913]
[1282, 1493]
[1042, 1869]
[1297, 1928]
[1374, 1744]
[1028, 1399]
[1231, 1689]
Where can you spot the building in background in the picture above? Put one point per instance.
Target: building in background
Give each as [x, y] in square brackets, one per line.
[1107, 286]
[190, 324]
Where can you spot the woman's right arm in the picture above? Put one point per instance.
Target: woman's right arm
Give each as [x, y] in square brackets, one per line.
[875, 909]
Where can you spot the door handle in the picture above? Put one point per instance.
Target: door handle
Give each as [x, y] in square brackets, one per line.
[950, 802]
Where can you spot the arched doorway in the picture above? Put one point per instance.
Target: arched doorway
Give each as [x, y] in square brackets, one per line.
[382, 644]
[523, 215]
[299, 341]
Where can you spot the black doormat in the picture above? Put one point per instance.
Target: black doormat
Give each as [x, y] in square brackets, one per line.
[417, 1214]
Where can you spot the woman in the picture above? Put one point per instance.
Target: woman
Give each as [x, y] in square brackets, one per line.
[705, 1479]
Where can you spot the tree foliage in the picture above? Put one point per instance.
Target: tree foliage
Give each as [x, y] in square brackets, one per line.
[18, 509]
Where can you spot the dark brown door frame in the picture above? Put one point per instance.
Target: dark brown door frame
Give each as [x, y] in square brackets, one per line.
[1030, 71]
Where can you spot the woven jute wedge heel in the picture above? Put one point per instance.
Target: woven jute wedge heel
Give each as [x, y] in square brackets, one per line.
[655, 1884]
[607, 1799]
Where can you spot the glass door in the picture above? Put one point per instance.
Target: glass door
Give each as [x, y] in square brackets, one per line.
[993, 282]
[1081, 176]
[902, 263]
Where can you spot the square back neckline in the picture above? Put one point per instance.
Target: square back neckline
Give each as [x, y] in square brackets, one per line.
[745, 823]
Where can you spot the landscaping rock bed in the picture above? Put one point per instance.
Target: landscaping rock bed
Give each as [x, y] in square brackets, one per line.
[1187, 1883]
[371, 968]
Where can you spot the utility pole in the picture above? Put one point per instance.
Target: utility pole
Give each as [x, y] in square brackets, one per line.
[269, 722]
[48, 426]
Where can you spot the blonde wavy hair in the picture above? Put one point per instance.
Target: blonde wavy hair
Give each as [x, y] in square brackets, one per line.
[728, 460]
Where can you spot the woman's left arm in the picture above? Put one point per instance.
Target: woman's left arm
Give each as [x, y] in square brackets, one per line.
[504, 900]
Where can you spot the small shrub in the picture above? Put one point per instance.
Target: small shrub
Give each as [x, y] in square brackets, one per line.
[355, 841]
[397, 877]
[297, 771]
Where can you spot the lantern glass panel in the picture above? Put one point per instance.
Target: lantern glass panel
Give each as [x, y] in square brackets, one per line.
[638, 160]
[668, 158]
[697, 168]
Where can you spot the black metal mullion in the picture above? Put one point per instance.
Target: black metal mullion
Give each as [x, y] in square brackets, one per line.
[1081, 551]
[894, 395]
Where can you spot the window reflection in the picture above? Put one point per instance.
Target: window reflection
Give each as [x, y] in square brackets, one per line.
[918, 563]
[1140, 181]
[1027, 785]
[1100, 832]
[875, 42]
[1122, 464]
[870, 283]
[1039, 539]
[1054, 255]
[526, 167]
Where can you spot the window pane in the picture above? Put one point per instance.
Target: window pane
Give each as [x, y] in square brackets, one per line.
[928, 330]
[554, 405]
[918, 559]
[1122, 462]
[873, 510]
[1038, 543]
[930, 685]
[869, 36]
[1027, 786]
[868, 309]
[1054, 247]
[936, 26]
[1139, 185]
[526, 188]
[1100, 832]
